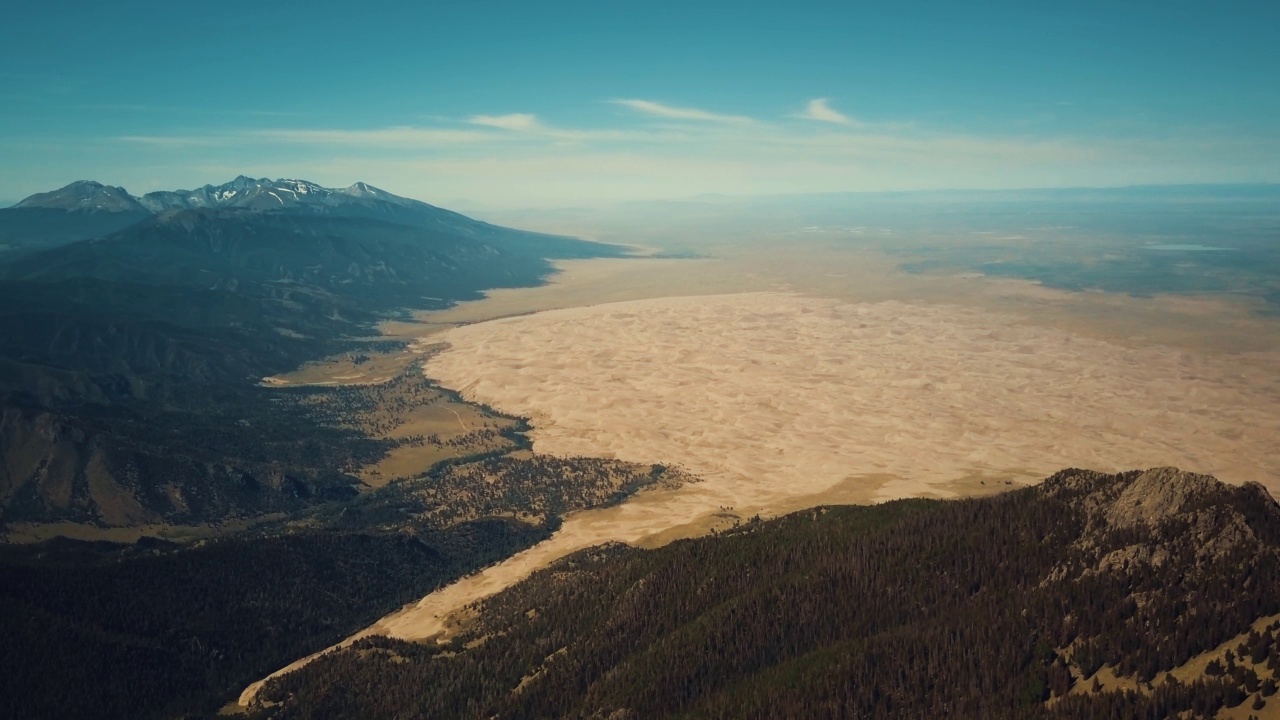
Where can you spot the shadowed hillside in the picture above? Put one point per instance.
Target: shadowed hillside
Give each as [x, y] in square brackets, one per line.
[155, 629]
[184, 628]
[1009, 606]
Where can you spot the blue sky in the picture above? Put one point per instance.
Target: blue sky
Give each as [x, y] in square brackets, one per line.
[507, 105]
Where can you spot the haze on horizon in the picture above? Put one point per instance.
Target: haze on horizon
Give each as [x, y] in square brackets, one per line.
[503, 106]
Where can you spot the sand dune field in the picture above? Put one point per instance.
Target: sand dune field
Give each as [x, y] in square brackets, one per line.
[769, 395]
[781, 401]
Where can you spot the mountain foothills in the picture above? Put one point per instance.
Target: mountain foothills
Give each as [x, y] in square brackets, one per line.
[1147, 594]
[134, 332]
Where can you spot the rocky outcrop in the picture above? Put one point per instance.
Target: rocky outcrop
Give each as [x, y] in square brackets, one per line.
[1148, 517]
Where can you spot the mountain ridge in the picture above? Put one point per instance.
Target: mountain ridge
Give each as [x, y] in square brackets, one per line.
[242, 192]
[77, 194]
[84, 196]
[87, 209]
[1020, 605]
[267, 194]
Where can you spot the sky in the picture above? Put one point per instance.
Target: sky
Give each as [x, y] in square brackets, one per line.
[572, 104]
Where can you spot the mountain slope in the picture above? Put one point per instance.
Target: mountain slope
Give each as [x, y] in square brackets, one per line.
[79, 211]
[157, 629]
[130, 360]
[989, 608]
[87, 196]
[217, 615]
[86, 209]
[285, 255]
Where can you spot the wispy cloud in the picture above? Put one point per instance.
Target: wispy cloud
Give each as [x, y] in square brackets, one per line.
[389, 137]
[656, 109]
[151, 109]
[513, 121]
[167, 140]
[506, 130]
[398, 136]
[819, 110]
[522, 158]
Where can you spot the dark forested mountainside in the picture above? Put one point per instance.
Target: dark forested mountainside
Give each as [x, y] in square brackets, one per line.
[1009, 606]
[154, 629]
[128, 361]
[131, 463]
[539, 487]
[341, 263]
[183, 629]
[34, 228]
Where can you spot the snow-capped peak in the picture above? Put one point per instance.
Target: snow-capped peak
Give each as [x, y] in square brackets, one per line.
[243, 193]
[86, 196]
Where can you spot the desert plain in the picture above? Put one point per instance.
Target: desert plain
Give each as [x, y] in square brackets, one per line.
[784, 384]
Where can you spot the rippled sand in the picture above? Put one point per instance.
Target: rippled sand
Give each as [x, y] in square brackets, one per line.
[782, 401]
[771, 395]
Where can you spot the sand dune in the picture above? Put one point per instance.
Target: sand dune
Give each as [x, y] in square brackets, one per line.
[781, 401]
[771, 395]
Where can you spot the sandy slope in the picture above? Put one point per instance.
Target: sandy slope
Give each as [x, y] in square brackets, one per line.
[781, 401]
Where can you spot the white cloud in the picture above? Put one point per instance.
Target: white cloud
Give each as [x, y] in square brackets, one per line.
[514, 121]
[518, 160]
[398, 136]
[648, 107]
[819, 110]
[531, 131]
[167, 140]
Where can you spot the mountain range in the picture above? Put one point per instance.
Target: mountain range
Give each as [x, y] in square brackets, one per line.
[242, 192]
[122, 315]
[86, 209]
